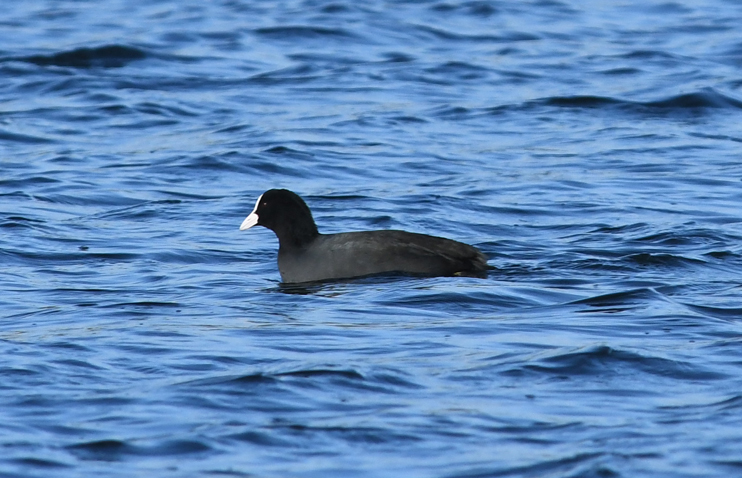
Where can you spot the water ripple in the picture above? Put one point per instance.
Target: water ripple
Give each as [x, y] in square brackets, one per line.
[591, 153]
[107, 56]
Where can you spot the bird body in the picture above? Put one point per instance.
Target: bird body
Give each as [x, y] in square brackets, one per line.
[305, 255]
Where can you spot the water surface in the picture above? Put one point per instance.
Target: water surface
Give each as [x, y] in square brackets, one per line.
[591, 151]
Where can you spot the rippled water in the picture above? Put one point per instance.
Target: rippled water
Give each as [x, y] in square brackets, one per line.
[592, 151]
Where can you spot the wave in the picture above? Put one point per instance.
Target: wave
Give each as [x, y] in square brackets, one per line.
[475, 9]
[447, 35]
[619, 299]
[646, 259]
[264, 377]
[23, 138]
[723, 313]
[705, 98]
[604, 360]
[107, 56]
[115, 450]
[578, 464]
[304, 32]
[383, 381]
[733, 403]
[696, 102]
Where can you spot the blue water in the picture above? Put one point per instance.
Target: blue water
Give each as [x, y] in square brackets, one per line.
[591, 150]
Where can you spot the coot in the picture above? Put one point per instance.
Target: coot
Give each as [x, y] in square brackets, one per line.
[305, 255]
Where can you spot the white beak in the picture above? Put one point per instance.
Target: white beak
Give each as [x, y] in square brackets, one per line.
[252, 219]
[249, 221]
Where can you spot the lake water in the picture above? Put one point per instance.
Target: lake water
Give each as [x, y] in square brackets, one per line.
[592, 150]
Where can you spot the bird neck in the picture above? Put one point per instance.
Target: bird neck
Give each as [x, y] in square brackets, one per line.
[297, 234]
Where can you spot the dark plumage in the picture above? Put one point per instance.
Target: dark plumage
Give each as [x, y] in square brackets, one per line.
[305, 255]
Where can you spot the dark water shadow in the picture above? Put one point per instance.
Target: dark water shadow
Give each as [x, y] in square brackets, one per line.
[107, 56]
